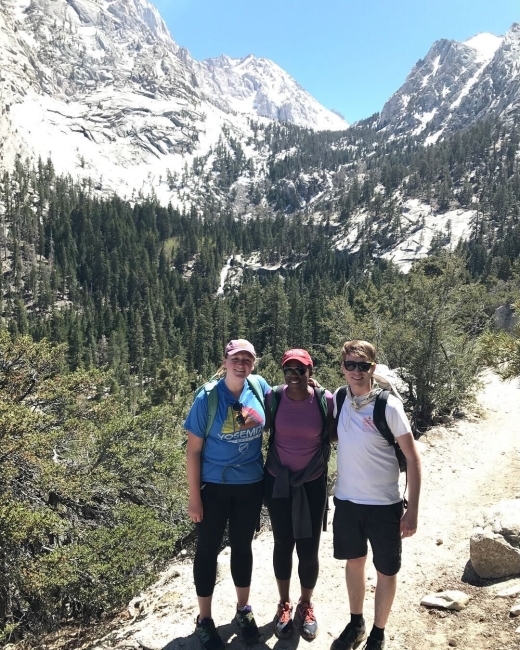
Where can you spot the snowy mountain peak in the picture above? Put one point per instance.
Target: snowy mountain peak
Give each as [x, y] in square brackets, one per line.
[485, 45]
[255, 85]
[101, 86]
[456, 84]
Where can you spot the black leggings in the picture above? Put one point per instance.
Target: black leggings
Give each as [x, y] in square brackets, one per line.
[280, 512]
[240, 505]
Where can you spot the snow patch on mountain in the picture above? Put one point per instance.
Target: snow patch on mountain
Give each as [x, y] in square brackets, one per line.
[423, 225]
[420, 226]
[485, 45]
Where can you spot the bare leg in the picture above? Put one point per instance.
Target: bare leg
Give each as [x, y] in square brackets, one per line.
[355, 576]
[385, 593]
[204, 606]
[306, 595]
[242, 596]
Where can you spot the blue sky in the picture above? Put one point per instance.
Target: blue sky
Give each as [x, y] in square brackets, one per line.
[350, 54]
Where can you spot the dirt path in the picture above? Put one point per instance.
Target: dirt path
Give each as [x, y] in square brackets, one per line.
[466, 467]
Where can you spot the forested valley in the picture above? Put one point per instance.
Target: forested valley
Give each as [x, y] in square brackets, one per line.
[110, 318]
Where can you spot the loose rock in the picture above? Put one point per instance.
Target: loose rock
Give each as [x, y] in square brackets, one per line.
[452, 599]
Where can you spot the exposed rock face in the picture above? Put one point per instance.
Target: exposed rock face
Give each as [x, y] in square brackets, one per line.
[506, 318]
[456, 84]
[495, 541]
[259, 85]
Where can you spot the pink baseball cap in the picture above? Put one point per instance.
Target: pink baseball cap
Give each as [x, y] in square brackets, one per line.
[239, 345]
[297, 355]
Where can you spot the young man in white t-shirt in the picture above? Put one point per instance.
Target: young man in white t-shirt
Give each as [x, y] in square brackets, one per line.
[368, 504]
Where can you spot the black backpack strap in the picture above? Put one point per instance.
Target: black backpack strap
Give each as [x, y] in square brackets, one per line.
[325, 443]
[341, 394]
[379, 417]
[276, 396]
[319, 392]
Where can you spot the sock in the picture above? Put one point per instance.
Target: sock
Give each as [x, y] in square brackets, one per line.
[356, 620]
[377, 633]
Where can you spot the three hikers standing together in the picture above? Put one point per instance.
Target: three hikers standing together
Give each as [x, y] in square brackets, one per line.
[228, 482]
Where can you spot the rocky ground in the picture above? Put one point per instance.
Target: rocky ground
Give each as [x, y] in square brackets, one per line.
[467, 466]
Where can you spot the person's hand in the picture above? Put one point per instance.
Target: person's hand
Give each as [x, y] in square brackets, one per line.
[314, 383]
[195, 509]
[408, 524]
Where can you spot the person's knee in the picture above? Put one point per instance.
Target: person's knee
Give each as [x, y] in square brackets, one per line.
[357, 563]
[386, 577]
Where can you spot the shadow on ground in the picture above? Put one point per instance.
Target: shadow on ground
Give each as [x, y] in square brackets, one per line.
[229, 634]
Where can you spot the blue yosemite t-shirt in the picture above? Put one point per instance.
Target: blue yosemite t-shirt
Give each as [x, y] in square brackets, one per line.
[232, 452]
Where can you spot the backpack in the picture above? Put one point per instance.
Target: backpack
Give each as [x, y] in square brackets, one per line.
[379, 418]
[210, 388]
[276, 396]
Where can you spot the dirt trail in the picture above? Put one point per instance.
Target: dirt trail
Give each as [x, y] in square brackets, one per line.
[466, 467]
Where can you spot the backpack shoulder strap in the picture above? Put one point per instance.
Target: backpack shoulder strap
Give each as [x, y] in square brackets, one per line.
[379, 416]
[276, 396]
[341, 394]
[324, 409]
[254, 385]
[210, 388]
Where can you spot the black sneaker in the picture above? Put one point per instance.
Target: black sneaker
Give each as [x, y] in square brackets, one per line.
[247, 624]
[374, 644]
[208, 635]
[350, 638]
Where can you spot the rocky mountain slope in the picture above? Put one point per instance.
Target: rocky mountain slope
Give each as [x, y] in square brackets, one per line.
[101, 87]
[256, 85]
[455, 85]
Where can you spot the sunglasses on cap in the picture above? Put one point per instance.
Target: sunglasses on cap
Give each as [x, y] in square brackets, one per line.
[298, 370]
[362, 366]
[237, 408]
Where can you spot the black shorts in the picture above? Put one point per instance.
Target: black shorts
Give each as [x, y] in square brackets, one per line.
[355, 524]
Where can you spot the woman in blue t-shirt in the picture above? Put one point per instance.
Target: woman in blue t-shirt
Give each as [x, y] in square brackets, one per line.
[225, 477]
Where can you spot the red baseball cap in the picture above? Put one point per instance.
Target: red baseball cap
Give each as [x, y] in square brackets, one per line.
[297, 354]
[239, 345]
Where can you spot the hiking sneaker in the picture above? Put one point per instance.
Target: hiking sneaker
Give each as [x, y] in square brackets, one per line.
[283, 622]
[374, 644]
[351, 637]
[247, 624]
[208, 635]
[308, 622]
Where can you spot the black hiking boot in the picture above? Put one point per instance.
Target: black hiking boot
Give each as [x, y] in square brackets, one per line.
[350, 638]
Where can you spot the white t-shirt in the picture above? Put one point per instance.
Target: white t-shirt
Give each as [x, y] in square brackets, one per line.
[368, 471]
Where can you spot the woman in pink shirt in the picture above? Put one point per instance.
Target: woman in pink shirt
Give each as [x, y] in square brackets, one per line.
[296, 486]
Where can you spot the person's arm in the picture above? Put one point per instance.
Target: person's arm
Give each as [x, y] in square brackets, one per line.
[413, 469]
[193, 469]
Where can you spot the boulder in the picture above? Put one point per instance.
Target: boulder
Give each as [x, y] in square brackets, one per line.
[495, 541]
